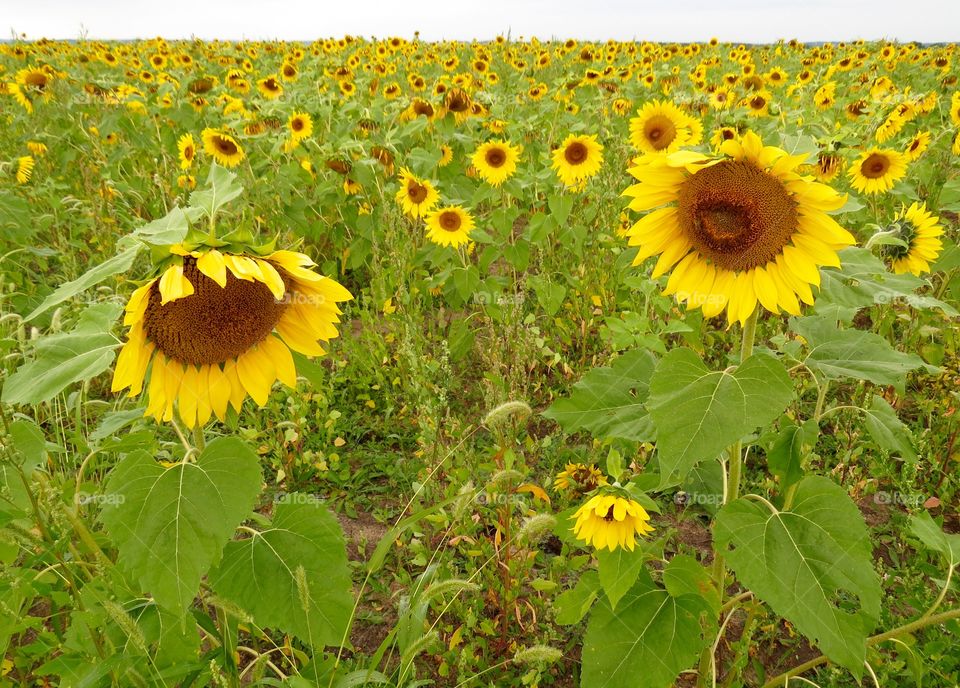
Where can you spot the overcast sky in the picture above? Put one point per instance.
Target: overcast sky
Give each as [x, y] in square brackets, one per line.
[662, 20]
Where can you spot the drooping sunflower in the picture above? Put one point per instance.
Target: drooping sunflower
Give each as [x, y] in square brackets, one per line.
[215, 327]
[580, 476]
[187, 150]
[496, 161]
[270, 87]
[920, 230]
[611, 520]
[917, 146]
[24, 169]
[577, 159]
[876, 170]
[222, 147]
[446, 155]
[663, 127]
[737, 229]
[449, 226]
[416, 196]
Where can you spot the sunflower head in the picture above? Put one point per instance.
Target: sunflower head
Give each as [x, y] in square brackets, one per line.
[580, 477]
[187, 150]
[215, 327]
[876, 170]
[496, 161]
[661, 127]
[577, 159]
[449, 226]
[416, 196]
[919, 232]
[736, 230]
[612, 520]
[222, 147]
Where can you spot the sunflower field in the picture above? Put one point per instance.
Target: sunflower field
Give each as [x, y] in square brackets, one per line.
[506, 363]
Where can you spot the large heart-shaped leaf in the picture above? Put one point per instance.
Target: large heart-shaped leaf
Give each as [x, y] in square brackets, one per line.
[646, 643]
[170, 524]
[292, 576]
[812, 564]
[699, 412]
[609, 402]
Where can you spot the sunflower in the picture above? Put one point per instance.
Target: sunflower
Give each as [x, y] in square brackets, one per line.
[920, 232]
[577, 159]
[215, 327]
[737, 229]
[580, 476]
[663, 127]
[300, 125]
[446, 155]
[876, 170]
[917, 146]
[609, 520]
[496, 161]
[222, 147]
[416, 196]
[449, 226]
[270, 87]
[24, 169]
[35, 78]
[187, 150]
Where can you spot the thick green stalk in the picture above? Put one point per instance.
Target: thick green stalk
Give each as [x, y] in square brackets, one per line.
[732, 492]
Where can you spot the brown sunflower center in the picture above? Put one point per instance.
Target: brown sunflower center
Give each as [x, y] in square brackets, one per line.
[450, 220]
[37, 80]
[576, 153]
[297, 124]
[875, 166]
[660, 131]
[736, 214]
[416, 192]
[758, 102]
[225, 145]
[213, 324]
[495, 157]
[188, 152]
[609, 515]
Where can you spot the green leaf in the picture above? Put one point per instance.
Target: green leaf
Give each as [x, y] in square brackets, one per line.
[842, 353]
[863, 281]
[618, 571]
[646, 643]
[29, 443]
[698, 412]
[684, 575]
[172, 228]
[812, 564]
[609, 402]
[292, 576]
[108, 268]
[925, 529]
[221, 187]
[560, 207]
[170, 524]
[550, 295]
[63, 359]
[793, 443]
[887, 430]
[573, 605]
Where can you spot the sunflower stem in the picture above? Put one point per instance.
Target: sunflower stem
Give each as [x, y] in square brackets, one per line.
[198, 439]
[707, 668]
